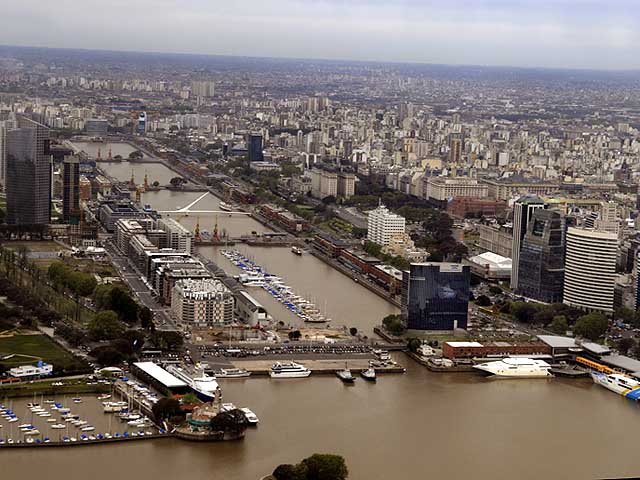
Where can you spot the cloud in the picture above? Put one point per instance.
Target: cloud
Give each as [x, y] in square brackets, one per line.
[551, 33]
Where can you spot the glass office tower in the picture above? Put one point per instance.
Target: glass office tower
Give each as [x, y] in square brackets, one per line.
[435, 296]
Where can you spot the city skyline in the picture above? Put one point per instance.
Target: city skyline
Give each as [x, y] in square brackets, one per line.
[490, 33]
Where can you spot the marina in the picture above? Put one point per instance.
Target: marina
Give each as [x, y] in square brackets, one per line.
[256, 276]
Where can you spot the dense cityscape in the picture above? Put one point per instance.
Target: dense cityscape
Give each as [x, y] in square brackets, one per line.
[181, 233]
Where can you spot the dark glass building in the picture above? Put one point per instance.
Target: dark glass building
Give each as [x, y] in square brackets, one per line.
[541, 269]
[254, 147]
[435, 296]
[28, 174]
[71, 189]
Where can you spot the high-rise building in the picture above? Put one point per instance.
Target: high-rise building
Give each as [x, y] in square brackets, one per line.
[71, 189]
[346, 187]
[455, 147]
[541, 269]
[435, 296]
[7, 123]
[522, 211]
[590, 269]
[28, 174]
[382, 225]
[254, 147]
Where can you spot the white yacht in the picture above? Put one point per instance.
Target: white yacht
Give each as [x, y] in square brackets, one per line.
[516, 367]
[202, 385]
[289, 370]
[618, 383]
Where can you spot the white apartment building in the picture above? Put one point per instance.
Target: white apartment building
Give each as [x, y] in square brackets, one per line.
[179, 237]
[201, 303]
[590, 269]
[382, 225]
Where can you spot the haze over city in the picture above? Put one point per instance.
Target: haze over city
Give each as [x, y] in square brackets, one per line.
[526, 33]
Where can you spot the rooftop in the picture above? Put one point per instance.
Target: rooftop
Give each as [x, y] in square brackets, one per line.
[160, 374]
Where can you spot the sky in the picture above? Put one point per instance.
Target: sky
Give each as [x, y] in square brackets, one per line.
[598, 34]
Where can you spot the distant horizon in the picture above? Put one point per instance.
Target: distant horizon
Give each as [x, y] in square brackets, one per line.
[320, 59]
[593, 35]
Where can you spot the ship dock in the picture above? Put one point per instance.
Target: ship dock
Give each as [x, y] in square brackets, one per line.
[317, 367]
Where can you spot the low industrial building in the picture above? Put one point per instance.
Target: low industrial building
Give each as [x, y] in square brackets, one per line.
[453, 350]
[490, 266]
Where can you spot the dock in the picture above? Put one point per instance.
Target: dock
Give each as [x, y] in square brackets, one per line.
[317, 367]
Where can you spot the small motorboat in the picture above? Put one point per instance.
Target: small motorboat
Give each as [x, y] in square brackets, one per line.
[369, 374]
[345, 375]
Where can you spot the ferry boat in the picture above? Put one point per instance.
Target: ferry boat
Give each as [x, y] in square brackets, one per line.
[289, 370]
[224, 206]
[516, 367]
[202, 385]
[233, 373]
[618, 383]
[296, 250]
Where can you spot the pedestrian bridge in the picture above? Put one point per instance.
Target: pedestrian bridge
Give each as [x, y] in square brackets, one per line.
[188, 209]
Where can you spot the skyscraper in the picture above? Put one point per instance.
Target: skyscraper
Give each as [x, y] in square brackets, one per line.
[541, 269]
[71, 189]
[254, 147]
[28, 174]
[590, 269]
[435, 296]
[522, 211]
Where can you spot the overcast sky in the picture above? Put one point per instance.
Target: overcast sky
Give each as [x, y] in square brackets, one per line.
[550, 33]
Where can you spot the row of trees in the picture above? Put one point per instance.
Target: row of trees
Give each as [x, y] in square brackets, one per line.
[559, 318]
[117, 298]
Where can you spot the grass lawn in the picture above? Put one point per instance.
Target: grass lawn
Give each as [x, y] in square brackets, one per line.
[28, 349]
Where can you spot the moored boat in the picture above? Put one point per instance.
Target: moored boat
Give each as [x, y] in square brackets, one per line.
[289, 370]
[516, 367]
[369, 374]
[618, 383]
[345, 375]
[232, 373]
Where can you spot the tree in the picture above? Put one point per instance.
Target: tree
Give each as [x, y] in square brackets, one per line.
[483, 301]
[234, 421]
[393, 324]
[124, 305]
[294, 335]
[329, 199]
[325, 467]
[591, 326]
[523, 311]
[626, 315]
[106, 326]
[166, 408]
[414, 344]
[136, 155]
[190, 399]
[290, 472]
[107, 356]
[146, 317]
[156, 183]
[372, 248]
[102, 296]
[559, 325]
[495, 290]
[625, 344]
[353, 331]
